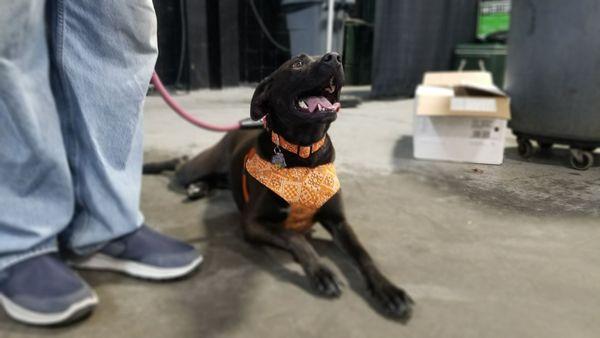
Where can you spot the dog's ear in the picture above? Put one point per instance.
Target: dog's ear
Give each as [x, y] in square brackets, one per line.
[259, 99]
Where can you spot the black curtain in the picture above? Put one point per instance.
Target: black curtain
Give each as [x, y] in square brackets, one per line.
[415, 36]
[258, 57]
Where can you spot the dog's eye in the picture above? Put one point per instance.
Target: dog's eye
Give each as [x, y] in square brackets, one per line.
[297, 64]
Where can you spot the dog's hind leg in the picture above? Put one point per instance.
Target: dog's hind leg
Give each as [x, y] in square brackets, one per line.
[203, 173]
[203, 186]
[154, 168]
[207, 169]
[208, 163]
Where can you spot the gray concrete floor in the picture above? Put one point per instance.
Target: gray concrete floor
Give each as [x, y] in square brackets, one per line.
[486, 251]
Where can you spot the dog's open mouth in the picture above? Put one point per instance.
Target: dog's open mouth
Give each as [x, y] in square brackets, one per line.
[322, 99]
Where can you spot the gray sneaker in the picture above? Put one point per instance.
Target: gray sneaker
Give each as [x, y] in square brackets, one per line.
[44, 291]
[145, 254]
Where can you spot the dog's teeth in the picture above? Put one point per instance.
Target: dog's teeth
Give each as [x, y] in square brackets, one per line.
[319, 107]
[330, 89]
[302, 104]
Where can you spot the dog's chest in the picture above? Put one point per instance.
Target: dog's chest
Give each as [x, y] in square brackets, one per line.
[304, 189]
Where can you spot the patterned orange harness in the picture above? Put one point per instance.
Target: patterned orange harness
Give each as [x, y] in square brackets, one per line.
[304, 189]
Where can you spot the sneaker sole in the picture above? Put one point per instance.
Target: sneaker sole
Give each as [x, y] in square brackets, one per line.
[72, 313]
[104, 262]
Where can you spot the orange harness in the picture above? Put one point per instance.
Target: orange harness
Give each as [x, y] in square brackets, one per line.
[304, 189]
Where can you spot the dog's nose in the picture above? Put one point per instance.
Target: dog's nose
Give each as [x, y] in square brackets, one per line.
[333, 59]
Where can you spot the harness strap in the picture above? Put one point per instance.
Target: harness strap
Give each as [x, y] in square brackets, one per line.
[245, 192]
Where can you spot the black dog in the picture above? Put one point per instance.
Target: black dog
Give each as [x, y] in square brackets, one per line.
[282, 177]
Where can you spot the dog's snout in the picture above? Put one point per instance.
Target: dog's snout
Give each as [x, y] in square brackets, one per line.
[333, 59]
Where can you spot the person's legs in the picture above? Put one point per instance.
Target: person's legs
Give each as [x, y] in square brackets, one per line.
[36, 192]
[104, 53]
[104, 56]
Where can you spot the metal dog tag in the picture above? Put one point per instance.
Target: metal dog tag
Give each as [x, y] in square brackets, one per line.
[278, 160]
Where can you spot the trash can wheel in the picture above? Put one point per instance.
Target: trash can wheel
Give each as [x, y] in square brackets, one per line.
[525, 148]
[581, 159]
[545, 146]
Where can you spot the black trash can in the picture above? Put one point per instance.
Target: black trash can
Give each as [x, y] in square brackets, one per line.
[358, 52]
[553, 76]
[307, 25]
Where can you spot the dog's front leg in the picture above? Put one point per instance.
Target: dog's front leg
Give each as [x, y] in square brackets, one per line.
[394, 301]
[322, 279]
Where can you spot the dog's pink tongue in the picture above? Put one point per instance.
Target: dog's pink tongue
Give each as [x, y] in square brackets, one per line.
[313, 102]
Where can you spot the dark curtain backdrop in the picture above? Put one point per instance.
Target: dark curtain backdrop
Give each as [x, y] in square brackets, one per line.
[415, 36]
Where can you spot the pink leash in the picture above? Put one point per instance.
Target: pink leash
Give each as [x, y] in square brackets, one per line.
[187, 116]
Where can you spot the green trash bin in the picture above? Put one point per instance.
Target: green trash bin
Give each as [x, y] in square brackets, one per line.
[482, 56]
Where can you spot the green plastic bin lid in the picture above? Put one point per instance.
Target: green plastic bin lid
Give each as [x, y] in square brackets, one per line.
[480, 49]
[301, 2]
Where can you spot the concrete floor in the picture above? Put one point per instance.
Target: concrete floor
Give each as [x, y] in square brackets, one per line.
[486, 251]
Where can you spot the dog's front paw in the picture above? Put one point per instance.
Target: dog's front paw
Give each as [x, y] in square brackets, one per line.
[324, 282]
[394, 301]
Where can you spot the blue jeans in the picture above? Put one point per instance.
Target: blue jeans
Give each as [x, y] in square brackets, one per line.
[73, 78]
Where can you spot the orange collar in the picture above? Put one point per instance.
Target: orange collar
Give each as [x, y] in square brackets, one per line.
[302, 151]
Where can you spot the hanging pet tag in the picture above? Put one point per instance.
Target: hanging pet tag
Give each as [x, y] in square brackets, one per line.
[278, 160]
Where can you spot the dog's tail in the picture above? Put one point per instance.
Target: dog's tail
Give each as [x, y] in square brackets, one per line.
[154, 168]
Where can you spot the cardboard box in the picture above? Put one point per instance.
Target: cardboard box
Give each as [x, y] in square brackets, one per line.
[460, 116]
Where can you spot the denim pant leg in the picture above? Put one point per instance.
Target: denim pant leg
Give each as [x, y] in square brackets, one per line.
[104, 54]
[36, 192]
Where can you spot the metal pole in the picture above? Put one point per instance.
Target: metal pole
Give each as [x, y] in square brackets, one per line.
[330, 25]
